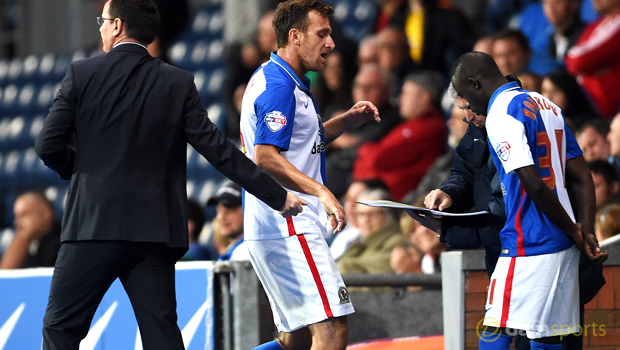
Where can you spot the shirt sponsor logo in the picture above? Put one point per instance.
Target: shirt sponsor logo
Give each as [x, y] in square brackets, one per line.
[503, 150]
[275, 120]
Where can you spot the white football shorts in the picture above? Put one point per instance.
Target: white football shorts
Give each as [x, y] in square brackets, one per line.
[538, 294]
[301, 280]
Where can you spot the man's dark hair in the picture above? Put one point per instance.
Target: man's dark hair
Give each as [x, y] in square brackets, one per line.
[140, 17]
[373, 184]
[605, 169]
[196, 213]
[516, 35]
[294, 14]
[600, 125]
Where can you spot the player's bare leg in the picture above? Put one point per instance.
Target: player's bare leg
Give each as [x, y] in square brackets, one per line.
[331, 334]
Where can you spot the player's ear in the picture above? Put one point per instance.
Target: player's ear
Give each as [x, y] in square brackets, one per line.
[294, 36]
[475, 83]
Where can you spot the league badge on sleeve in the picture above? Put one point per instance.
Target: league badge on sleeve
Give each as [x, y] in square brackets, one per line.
[275, 120]
[503, 150]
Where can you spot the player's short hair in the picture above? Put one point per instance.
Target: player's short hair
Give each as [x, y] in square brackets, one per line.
[605, 169]
[600, 125]
[141, 18]
[294, 14]
[516, 35]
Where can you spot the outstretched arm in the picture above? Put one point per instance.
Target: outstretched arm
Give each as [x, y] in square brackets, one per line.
[269, 159]
[359, 114]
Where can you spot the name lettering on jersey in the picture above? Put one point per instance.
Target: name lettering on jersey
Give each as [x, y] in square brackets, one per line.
[503, 150]
[318, 147]
[543, 104]
[531, 108]
[275, 120]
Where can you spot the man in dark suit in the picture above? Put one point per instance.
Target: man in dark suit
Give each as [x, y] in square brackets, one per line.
[132, 116]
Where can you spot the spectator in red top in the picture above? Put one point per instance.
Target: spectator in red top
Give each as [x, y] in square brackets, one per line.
[402, 157]
[595, 59]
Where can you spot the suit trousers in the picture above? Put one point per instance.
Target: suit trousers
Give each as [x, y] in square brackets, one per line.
[83, 273]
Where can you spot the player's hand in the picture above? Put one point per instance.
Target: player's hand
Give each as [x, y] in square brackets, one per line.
[360, 113]
[593, 250]
[437, 200]
[292, 206]
[334, 210]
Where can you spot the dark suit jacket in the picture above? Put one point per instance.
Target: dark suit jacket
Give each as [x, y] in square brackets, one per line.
[132, 116]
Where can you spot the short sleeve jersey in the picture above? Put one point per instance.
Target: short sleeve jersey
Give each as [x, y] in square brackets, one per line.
[525, 128]
[278, 109]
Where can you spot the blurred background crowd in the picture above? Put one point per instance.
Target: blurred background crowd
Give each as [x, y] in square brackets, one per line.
[394, 53]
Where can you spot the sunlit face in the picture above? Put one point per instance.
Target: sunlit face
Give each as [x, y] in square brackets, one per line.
[471, 117]
[456, 124]
[229, 221]
[413, 100]
[316, 42]
[31, 216]
[552, 92]
[370, 219]
[614, 136]
[350, 207]
[605, 7]
[106, 29]
[369, 85]
[602, 190]
[509, 57]
[560, 12]
[593, 145]
[266, 36]
[392, 48]
[367, 52]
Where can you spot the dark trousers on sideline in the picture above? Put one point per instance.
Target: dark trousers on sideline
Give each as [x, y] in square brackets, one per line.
[83, 273]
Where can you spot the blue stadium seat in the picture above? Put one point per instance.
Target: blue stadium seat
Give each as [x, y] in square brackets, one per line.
[211, 91]
[199, 54]
[19, 138]
[16, 66]
[9, 171]
[9, 100]
[178, 54]
[4, 71]
[5, 128]
[60, 67]
[27, 99]
[29, 72]
[46, 68]
[36, 124]
[79, 55]
[216, 24]
[217, 114]
[45, 98]
[199, 24]
[57, 194]
[28, 168]
[206, 191]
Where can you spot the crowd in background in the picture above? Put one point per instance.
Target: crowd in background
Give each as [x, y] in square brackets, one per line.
[567, 50]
